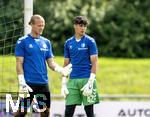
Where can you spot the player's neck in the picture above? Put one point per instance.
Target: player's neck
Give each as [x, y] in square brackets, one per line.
[34, 35]
[78, 37]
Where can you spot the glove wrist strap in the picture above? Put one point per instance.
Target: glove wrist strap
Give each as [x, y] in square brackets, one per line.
[21, 79]
[64, 80]
[92, 77]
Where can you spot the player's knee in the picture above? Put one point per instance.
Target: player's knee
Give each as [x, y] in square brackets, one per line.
[69, 110]
[45, 113]
[89, 110]
[19, 114]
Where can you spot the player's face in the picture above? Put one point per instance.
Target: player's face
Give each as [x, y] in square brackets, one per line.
[38, 26]
[80, 29]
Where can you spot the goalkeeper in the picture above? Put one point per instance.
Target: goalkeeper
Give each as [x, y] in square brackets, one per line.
[32, 51]
[80, 50]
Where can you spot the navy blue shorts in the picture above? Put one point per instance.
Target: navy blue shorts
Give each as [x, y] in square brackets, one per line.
[42, 94]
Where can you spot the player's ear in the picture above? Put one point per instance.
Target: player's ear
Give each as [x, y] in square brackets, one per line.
[30, 23]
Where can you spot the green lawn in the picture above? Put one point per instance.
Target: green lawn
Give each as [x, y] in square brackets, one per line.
[114, 76]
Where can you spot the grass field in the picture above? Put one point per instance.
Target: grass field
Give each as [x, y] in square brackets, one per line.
[114, 76]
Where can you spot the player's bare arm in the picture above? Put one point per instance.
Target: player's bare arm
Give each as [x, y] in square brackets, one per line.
[66, 61]
[19, 63]
[51, 63]
[94, 60]
[23, 87]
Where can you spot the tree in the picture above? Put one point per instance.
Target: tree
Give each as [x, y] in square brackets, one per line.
[126, 29]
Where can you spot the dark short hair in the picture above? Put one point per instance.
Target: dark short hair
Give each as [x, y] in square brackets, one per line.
[81, 20]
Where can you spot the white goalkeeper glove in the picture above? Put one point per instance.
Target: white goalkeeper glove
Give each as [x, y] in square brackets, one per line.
[23, 87]
[64, 90]
[64, 71]
[88, 87]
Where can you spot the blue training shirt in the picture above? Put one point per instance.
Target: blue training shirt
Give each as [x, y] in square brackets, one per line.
[79, 54]
[35, 53]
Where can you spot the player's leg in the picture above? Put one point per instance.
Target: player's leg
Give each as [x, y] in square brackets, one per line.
[89, 101]
[45, 113]
[73, 98]
[19, 114]
[93, 98]
[22, 111]
[43, 100]
[89, 110]
[69, 111]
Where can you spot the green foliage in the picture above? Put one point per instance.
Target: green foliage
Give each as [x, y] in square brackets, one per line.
[126, 29]
[120, 28]
[59, 17]
[114, 76]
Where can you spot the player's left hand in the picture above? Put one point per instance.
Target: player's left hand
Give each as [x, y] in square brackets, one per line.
[88, 87]
[64, 90]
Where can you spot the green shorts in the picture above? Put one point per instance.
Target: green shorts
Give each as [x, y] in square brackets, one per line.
[75, 95]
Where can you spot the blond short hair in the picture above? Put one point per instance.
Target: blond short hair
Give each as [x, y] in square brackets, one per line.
[36, 16]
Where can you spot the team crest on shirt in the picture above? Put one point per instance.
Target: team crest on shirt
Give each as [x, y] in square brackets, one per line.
[83, 45]
[44, 47]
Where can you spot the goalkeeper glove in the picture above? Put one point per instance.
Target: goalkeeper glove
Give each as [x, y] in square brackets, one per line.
[88, 87]
[23, 87]
[64, 71]
[64, 90]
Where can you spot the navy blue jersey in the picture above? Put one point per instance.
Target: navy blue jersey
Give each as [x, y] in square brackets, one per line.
[35, 53]
[79, 54]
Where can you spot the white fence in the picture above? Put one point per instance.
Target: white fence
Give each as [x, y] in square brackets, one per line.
[107, 109]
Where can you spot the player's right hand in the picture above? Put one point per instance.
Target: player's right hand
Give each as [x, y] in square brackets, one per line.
[23, 87]
[67, 70]
[64, 90]
[64, 71]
